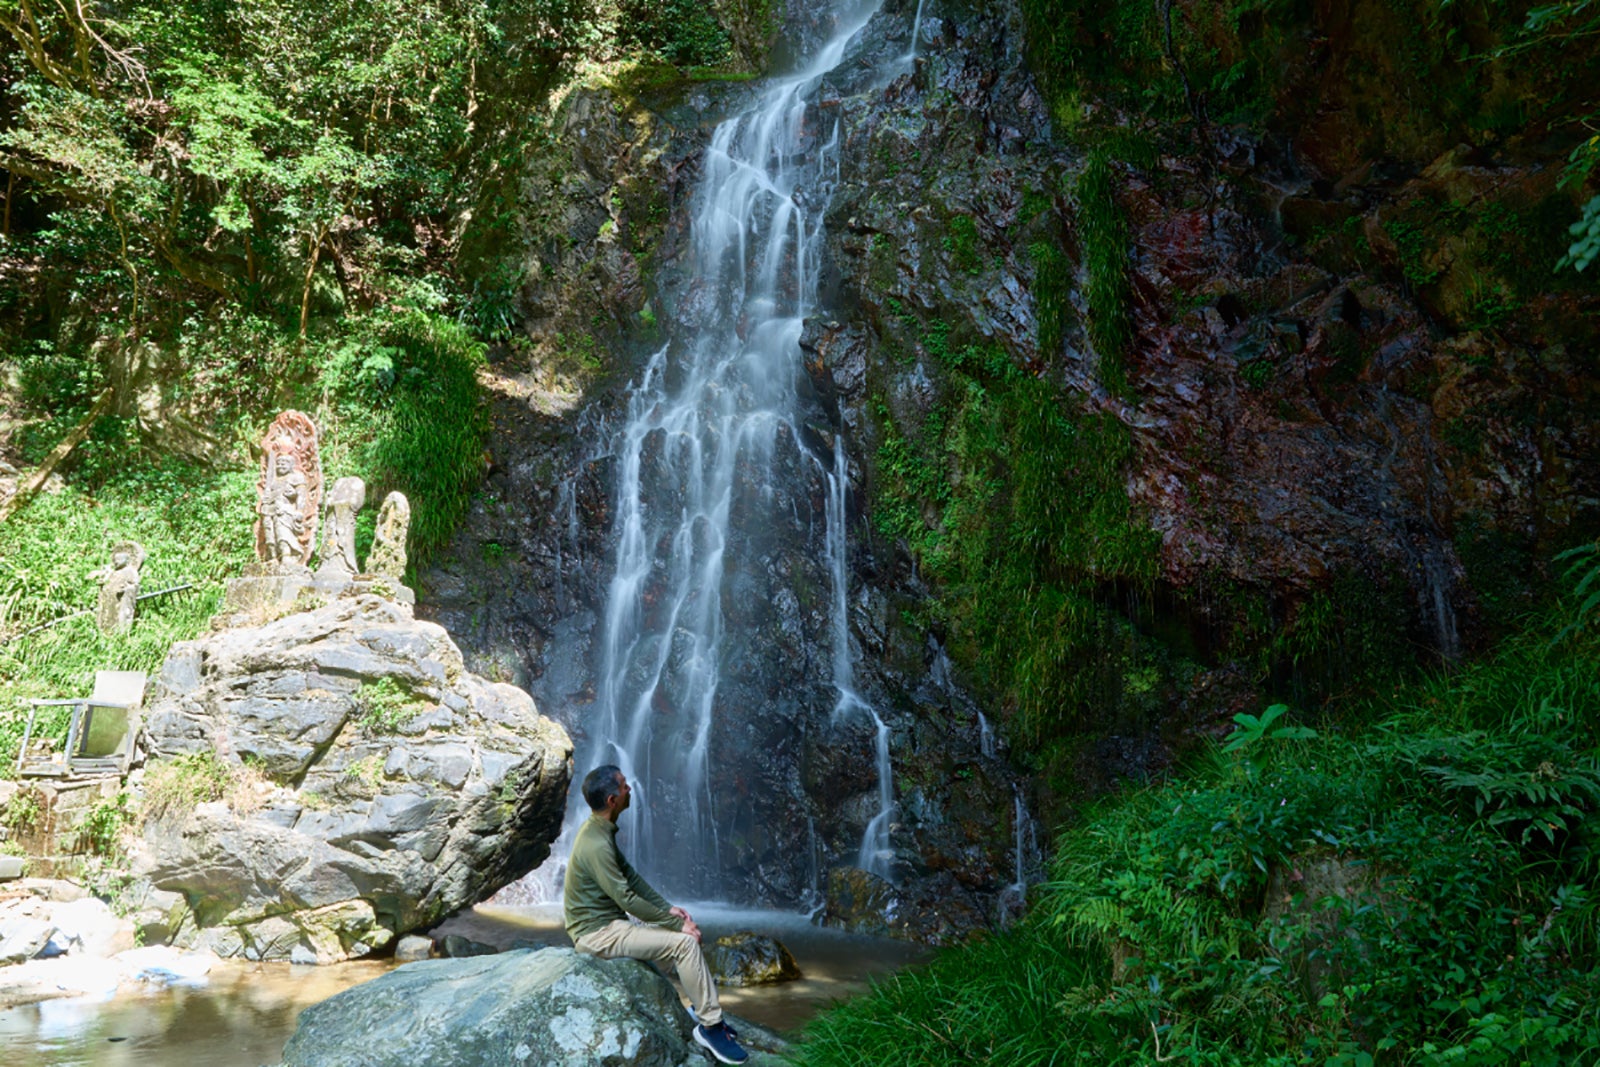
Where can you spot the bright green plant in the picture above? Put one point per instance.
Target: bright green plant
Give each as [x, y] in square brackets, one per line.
[100, 827]
[1583, 570]
[383, 707]
[23, 811]
[1252, 729]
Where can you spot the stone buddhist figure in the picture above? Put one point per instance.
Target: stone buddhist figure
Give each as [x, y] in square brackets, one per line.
[281, 519]
[388, 555]
[289, 493]
[338, 554]
[119, 590]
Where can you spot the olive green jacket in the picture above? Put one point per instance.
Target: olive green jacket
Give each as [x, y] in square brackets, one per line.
[601, 887]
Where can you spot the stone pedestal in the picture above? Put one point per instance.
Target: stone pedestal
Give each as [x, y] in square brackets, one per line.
[263, 591]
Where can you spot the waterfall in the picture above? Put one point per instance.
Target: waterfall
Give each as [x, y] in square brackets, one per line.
[1022, 827]
[916, 34]
[706, 419]
[876, 854]
[985, 736]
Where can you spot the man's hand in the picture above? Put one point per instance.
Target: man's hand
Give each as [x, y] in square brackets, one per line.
[690, 928]
[678, 913]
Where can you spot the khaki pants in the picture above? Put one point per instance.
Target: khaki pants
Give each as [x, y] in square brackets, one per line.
[623, 938]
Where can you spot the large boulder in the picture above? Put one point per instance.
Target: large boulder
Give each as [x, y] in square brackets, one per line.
[553, 1006]
[748, 958]
[357, 783]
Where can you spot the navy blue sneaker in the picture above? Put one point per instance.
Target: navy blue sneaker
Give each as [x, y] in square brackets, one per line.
[718, 1040]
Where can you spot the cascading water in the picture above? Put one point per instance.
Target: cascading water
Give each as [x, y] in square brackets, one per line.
[706, 421]
[876, 854]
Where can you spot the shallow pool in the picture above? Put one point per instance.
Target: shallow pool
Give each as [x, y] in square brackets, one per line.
[246, 1012]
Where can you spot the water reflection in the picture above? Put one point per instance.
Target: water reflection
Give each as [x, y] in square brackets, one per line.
[241, 1018]
[246, 1013]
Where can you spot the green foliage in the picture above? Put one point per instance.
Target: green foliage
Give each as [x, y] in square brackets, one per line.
[1419, 893]
[99, 829]
[23, 811]
[1586, 238]
[1583, 571]
[1015, 504]
[383, 707]
[1105, 256]
[365, 775]
[195, 526]
[172, 787]
[1052, 297]
[960, 243]
[1253, 729]
[402, 395]
[995, 1001]
[1411, 242]
[682, 32]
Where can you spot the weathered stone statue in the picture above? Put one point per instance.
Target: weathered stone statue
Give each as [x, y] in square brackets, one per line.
[338, 555]
[289, 493]
[388, 555]
[119, 591]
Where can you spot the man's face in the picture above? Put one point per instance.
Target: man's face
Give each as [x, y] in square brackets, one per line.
[285, 464]
[619, 802]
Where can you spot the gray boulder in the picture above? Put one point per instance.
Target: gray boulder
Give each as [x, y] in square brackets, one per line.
[515, 1009]
[375, 785]
[413, 947]
[22, 939]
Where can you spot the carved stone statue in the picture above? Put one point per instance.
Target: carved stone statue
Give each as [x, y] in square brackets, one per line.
[119, 591]
[339, 530]
[388, 555]
[289, 493]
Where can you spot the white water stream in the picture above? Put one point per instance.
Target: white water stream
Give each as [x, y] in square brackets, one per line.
[706, 419]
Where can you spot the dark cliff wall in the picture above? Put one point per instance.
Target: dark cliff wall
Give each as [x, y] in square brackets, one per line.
[1161, 400]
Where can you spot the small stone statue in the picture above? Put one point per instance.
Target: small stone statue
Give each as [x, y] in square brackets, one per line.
[339, 530]
[388, 555]
[119, 590]
[289, 494]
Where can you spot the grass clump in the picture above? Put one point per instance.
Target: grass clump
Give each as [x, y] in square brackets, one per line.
[174, 786]
[1420, 892]
[1105, 257]
[383, 707]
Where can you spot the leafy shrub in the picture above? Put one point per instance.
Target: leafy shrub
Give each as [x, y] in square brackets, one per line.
[405, 412]
[99, 829]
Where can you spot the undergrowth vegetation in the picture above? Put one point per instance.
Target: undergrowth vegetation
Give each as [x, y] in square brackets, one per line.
[1419, 892]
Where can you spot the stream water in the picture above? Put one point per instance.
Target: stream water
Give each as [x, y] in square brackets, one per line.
[245, 1012]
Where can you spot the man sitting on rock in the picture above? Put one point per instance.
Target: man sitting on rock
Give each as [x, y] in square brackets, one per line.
[602, 890]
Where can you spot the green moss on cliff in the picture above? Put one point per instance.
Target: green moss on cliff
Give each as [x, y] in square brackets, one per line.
[1104, 238]
[1012, 500]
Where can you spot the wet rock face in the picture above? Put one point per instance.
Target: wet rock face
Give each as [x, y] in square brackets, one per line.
[374, 784]
[550, 1006]
[748, 958]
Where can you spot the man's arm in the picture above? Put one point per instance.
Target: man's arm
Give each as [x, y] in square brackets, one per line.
[619, 881]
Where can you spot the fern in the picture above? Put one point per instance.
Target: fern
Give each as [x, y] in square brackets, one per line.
[1584, 571]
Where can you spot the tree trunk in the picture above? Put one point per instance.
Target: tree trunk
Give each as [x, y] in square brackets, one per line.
[29, 486]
